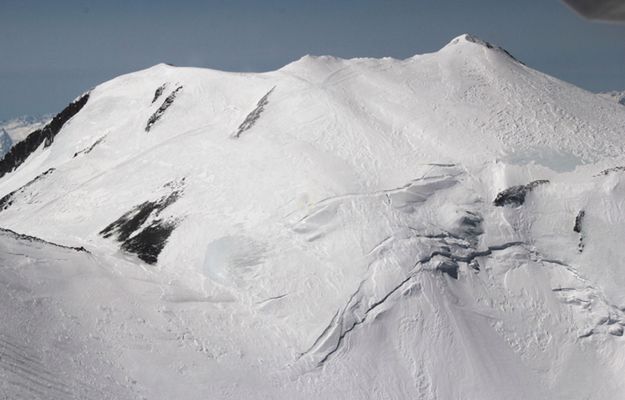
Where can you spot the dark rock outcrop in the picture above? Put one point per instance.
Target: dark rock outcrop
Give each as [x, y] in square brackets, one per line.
[90, 148]
[34, 239]
[146, 242]
[158, 92]
[149, 242]
[578, 221]
[253, 116]
[608, 171]
[169, 100]
[448, 267]
[20, 152]
[515, 196]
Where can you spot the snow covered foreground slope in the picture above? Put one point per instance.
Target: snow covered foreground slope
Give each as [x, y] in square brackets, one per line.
[448, 226]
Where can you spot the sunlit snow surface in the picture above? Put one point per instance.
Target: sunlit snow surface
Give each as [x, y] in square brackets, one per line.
[328, 230]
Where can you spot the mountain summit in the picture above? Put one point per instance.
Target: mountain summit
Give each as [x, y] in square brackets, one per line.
[448, 226]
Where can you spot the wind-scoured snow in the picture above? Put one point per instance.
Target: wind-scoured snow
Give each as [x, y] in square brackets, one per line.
[448, 226]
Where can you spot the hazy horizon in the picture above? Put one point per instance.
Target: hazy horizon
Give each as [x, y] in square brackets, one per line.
[53, 51]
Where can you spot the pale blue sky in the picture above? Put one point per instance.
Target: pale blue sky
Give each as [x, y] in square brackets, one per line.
[51, 51]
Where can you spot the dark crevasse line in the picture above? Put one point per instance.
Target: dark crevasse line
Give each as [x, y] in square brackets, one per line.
[337, 320]
[253, 116]
[483, 253]
[20, 152]
[364, 318]
[29, 238]
[272, 298]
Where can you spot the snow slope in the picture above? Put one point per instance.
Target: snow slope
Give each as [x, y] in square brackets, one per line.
[447, 226]
[619, 97]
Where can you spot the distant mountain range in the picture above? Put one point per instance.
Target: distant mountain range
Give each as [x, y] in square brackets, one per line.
[15, 130]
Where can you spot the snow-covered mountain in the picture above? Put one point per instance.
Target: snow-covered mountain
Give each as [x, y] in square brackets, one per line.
[617, 96]
[448, 226]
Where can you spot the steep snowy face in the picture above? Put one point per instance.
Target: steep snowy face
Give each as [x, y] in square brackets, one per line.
[442, 227]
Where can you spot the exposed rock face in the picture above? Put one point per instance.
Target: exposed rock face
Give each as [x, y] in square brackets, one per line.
[142, 230]
[169, 100]
[608, 171]
[158, 92]
[578, 221]
[253, 116]
[20, 152]
[515, 196]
